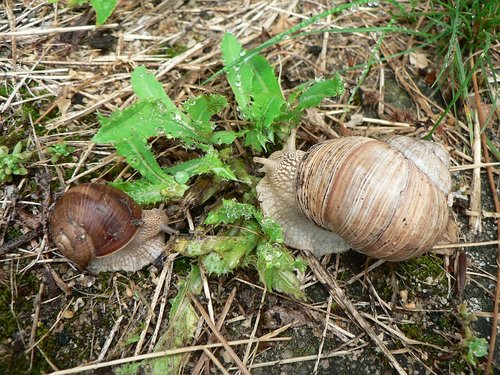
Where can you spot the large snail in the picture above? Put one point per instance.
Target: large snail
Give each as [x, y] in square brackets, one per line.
[102, 229]
[386, 199]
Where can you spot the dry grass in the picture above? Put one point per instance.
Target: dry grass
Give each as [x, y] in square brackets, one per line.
[58, 71]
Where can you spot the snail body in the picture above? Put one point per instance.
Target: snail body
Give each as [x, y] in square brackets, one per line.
[386, 199]
[101, 228]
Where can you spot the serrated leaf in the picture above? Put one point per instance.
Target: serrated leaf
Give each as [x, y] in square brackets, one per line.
[272, 229]
[103, 9]
[145, 119]
[230, 212]
[206, 164]
[142, 117]
[146, 193]
[239, 76]
[225, 137]
[141, 159]
[202, 108]
[147, 87]
[275, 265]
[256, 140]
[264, 80]
[266, 109]
[318, 91]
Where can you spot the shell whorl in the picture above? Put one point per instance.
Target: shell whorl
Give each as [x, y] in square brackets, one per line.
[383, 202]
[101, 228]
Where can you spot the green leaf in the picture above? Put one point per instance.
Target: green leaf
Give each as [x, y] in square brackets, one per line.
[239, 76]
[219, 254]
[318, 91]
[471, 359]
[202, 108]
[142, 119]
[145, 119]
[264, 80]
[103, 9]
[272, 229]
[230, 212]
[225, 137]
[479, 347]
[141, 159]
[255, 139]
[145, 192]
[276, 266]
[146, 86]
[210, 163]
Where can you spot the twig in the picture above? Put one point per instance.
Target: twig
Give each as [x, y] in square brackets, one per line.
[340, 298]
[12, 22]
[169, 264]
[54, 30]
[308, 358]
[223, 315]
[36, 315]
[216, 361]
[323, 336]
[255, 326]
[475, 189]
[159, 287]
[186, 349]
[172, 63]
[109, 340]
[219, 336]
[22, 239]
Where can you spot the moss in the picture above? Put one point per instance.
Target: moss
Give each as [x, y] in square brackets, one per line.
[12, 232]
[427, 270]
[182, 266]
[172, 51]
[458, 367]
[421, 333]
[15, 318]
[428, 265]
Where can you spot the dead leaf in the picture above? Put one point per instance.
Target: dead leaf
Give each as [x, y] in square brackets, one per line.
[419, 60]
[356, 119]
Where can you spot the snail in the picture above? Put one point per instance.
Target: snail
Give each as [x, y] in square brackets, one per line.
[101, 228]
[387, 199]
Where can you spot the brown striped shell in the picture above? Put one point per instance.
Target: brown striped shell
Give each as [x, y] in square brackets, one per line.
[385, 199]
[101, 228]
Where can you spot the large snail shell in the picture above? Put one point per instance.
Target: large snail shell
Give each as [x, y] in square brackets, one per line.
[385, 199]
[102, 228]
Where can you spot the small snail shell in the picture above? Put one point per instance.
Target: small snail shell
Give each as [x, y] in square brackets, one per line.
[386, 199]
[101, 228]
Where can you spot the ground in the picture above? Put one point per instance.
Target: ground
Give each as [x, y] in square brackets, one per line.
[57, 83]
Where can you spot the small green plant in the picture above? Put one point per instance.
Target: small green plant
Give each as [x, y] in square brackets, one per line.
[476, 347]
[258, 94]
[103, 8]
[252, 240]
[12, 164]
[59, 151]
[154, 114]
[276, 266]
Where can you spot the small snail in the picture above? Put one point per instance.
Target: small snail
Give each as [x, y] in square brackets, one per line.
[386, 199]
[102, 229]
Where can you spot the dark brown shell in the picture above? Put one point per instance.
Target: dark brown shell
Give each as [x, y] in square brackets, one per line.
[93, 220]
